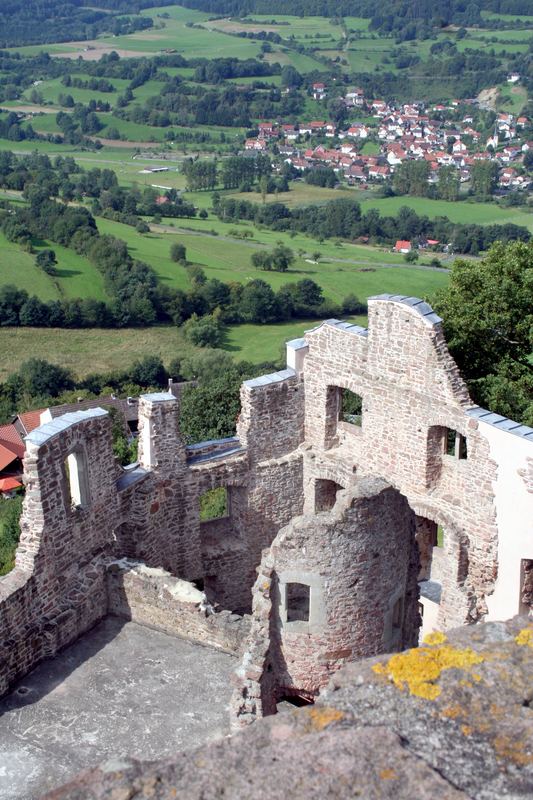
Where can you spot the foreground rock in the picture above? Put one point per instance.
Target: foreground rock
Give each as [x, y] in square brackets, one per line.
[452, 719]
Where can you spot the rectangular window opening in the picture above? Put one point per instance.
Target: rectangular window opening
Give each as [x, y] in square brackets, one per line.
[298, 602]
[214, 504]
[455, 444]
[450, 442]
[351, 407]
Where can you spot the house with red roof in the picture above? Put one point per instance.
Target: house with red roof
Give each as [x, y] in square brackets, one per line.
[403, 246]
[11, 451]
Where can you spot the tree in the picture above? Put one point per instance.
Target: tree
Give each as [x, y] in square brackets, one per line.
[484, 177]
[178, 252]
[39, 378]
[258, 302]
[148, 371]
[487, 309]
[290, 77]
[204, 331]
[10, 511]
[278, 260]
[210, 410]
[46, 260]
[411, 177]
[448, 184]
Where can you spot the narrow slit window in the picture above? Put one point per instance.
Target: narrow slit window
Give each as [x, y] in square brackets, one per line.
[450, 442]
[76, 480]
[214, 504]
[397, 614]
[298, 602]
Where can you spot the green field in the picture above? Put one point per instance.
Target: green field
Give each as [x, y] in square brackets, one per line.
[229, 260]
[97, 350]
[18, 267]
[461, 211]
[512, 98]
[88, 350]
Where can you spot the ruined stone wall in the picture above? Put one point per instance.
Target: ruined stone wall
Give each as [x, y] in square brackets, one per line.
[354, 607]
[293, 455]
[411, 393]
[57, 589]
[149, 513]
[154, 598]
[263, 481]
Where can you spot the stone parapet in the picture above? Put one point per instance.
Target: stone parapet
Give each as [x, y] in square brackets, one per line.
[386, 728]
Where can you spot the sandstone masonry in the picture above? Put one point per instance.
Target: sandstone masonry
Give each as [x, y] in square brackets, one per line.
[338, 515]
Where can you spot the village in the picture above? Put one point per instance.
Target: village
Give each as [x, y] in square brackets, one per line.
[443, 135]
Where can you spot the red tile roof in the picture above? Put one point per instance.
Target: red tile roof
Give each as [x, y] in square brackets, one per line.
[11, 438]
[31, 420]
[7, 484]
[6, 456]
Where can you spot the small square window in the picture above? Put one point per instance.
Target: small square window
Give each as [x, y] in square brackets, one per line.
[214, 504]
[455, 444]
[298, 602]
[351, 407]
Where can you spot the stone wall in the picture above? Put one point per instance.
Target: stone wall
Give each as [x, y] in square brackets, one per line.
[334, 587]
[57, 589]
[149, 513]
[411, 393]
[154, 598]
[458, 467]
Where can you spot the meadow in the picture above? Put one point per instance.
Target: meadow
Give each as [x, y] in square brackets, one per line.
[96, 350]
[460, 211]
[75, 275]
[340, 271]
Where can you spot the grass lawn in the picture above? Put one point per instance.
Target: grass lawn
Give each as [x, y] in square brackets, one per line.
[259, 343]
[88, 350]
[370, 149]
[98, 350]
[478, 213]
[512, 98]
[75, 275]
[18, 267]
[229, 260]
[300, 194]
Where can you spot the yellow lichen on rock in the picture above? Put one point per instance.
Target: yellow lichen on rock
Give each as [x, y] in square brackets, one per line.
[525, 637]
[436, 637]
[387, 775]
[419, 669]
[321, 717]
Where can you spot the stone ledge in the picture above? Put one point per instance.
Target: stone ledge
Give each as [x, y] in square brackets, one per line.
[368, 737]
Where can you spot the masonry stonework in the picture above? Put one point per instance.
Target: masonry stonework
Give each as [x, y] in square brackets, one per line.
[335, 519]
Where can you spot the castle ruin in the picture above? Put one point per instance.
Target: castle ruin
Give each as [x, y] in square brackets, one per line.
[366, 496]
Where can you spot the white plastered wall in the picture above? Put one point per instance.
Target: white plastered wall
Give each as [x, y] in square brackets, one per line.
[514, 518]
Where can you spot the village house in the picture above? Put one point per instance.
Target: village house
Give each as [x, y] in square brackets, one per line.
[319, 91]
